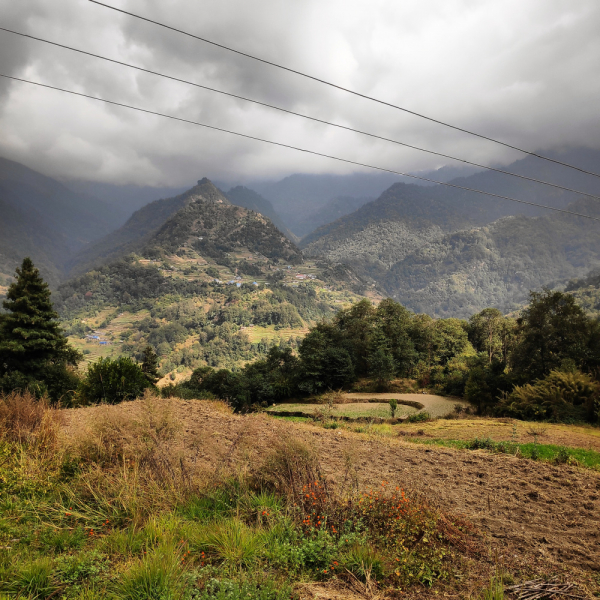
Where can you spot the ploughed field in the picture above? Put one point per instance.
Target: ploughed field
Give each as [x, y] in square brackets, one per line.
[538, 517]
[373, 405]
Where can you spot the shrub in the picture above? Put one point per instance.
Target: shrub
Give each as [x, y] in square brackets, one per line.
[113, 381]
[393, 407]
[561, 396]
[418, 417]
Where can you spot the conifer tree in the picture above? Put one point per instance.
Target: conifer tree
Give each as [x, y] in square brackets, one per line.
[31, 338]
[150, 365]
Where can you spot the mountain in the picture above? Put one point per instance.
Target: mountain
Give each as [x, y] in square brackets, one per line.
[202, 280]
[243, 196]
[496, 265]
[333, 210]
[450, 252]
[213, 227]
[153, 223]
[42, 218]
[301, 199]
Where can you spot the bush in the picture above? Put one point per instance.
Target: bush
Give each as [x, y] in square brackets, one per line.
[113, 381]
[561, 396]
[418, 417]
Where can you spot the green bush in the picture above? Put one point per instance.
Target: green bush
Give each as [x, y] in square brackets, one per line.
[418, 417]
[560, 396]
[113, 381]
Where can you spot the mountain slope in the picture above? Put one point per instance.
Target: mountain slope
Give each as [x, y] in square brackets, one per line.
[247, 198]
[450, 252]
[383, 231]
[140, 227]
[24, 233]
[213, 284]
[214, 228]
[78, 217]
[496, 265]
[43, 219]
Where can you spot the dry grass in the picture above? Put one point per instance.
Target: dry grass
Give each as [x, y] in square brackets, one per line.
[26, 420]
[135, 463]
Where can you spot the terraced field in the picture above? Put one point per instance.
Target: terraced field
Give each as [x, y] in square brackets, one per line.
[367, 405]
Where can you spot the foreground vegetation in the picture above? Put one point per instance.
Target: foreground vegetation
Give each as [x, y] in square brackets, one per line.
[119, 512]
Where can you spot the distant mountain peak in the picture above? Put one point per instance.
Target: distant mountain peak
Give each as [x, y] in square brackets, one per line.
[206, 191]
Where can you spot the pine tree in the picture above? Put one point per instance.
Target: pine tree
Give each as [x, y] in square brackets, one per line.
[150, 365]
[31, 338]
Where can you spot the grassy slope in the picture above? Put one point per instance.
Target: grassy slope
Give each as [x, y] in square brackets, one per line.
[134, 530]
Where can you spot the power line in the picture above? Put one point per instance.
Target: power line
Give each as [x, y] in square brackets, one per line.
[344, 89]
[290, 147]
[308, 117]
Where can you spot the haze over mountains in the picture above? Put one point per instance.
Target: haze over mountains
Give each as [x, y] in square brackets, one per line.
[436, 249]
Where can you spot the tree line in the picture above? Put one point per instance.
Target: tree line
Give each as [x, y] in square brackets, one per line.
[543, 364]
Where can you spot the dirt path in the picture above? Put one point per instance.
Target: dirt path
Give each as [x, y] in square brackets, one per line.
[527, 507]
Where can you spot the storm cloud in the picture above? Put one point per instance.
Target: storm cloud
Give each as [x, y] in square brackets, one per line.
[522, 72]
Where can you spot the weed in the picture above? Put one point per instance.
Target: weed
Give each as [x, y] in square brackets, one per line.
[233, 543]
[562, 456]
[62, 540]
[481, 444]
[34, 580]
[227, 589]
[27, 420]
[495, 590]
[157, 576]
[364, 562]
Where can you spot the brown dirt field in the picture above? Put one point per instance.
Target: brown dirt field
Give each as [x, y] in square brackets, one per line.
[501, 430]
[537, 516]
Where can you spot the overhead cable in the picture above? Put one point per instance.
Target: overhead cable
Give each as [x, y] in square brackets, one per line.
[285, 110]
[344, 89]
[290, 147]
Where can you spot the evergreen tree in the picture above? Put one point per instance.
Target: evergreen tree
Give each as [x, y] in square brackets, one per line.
[150, 365]
[32, 343]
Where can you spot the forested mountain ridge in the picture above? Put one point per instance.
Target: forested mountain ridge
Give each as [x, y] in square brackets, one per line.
[496, 265]
[211, 283]
[334, 209]
[141, 226]
[462, 209]
[247, 198]
[301, 199]
[42, 218]
[214, 228]
[162, 216]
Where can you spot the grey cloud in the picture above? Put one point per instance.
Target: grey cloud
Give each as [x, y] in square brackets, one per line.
[522, 72]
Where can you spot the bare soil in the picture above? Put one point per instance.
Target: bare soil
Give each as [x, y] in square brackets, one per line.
[505, 430]
[538, 517]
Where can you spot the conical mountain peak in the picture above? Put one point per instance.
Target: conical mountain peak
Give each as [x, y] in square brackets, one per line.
[206, 191]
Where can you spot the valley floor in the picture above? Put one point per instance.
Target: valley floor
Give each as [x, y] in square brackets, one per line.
[538, 517]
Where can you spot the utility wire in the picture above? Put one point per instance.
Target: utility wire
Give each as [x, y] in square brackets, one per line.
[284, 110]
[344, 89]
[282, 145]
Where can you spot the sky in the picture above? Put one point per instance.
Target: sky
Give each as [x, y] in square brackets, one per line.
[524, 72]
